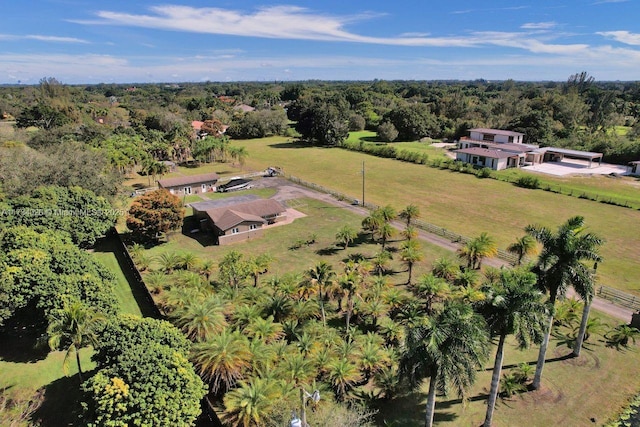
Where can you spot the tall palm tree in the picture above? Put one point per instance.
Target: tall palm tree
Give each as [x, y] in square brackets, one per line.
[258, 266]
[386, 231]
[409, 233]
[448, 348]
[478, 248]
[410, 212]
[345, 235]
[445, 268]
[223, 360]
[321, 275]
[560, 265]
[432, 289]
[372, 223]
[73, 327]
[522, 247]
[409, 255]
[513, 306]
[251, 403]
[387, 213]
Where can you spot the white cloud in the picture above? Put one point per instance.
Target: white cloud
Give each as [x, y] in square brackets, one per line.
[622, 36]
[538, 25]
[51, 39]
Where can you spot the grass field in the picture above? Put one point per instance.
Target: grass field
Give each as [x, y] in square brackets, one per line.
[462, 203]
[322, 221]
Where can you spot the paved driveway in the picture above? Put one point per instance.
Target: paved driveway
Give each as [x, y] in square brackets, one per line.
[576, 167]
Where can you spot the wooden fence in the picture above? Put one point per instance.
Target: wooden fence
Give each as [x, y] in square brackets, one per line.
[619, 297]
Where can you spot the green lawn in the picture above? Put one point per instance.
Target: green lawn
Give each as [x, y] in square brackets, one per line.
[323, 221]
[459, 202]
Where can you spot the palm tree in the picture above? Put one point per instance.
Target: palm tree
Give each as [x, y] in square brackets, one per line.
[410, 212]
[371, 224]
[188, 261]
[264, 329]
[343, 374]
[513, 306]
[522, 247]
[387, 213]
[168, 261]
[345, 235]
[206, 268]
[251, 403]
[201, 320]
[258, 266]
[445, 268]
[409, 255]
[349, 283]
[478, 248]
[386, 231]
[432, 289]
[560, 265]
[73, 327]
[223, 360]
[410, 232]
[380, 261]
[448, 348]
[321, 275]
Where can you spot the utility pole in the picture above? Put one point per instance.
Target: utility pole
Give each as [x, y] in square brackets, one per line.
[363, 183]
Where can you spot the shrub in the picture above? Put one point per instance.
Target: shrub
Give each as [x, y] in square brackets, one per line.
[528, 182]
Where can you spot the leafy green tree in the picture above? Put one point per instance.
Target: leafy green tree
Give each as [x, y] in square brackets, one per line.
[74, 210]
[387, 132]
[148, 384]
[323, 123]
[233, 269]
[560, 265]
[513, 306]
[201, 320]
[43, 271]
[72, 328]
[448, 348]
[413, 122]
[153, 213]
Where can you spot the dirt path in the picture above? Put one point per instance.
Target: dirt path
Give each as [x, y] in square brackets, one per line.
[289, 191]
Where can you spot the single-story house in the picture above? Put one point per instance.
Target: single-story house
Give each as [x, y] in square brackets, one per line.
[489, 158]
[237, 218]
[634, 168]
[194, 184]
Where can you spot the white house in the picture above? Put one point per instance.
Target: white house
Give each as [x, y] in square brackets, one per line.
[496, 135]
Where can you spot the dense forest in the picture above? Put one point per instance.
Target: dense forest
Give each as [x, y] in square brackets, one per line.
[339, 330]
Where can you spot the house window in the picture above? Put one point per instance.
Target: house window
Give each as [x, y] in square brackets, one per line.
[187, 190]
[235, 230]
[487, 137]
[253, 226]
[204, 188]
[511, 139]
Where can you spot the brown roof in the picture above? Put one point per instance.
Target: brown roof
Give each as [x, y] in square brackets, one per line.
[188, 180]
[253, 211]
[485, 152]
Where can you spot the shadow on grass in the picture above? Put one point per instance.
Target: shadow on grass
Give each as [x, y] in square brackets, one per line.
[61, 404]
[408, 410]
[328, 251]
[292, 144]
[20, 339]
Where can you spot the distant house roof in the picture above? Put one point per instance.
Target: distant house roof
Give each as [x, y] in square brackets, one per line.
[637, 162]
[496, 131]
[506, 146]
[197, 124]
[486, 152]
[244, 107]
[187, 180]
[227, 217]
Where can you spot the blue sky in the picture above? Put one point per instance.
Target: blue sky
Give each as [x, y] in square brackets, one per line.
[137, 41]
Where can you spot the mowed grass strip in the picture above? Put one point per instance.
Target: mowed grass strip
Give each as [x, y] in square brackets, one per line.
[459, 202]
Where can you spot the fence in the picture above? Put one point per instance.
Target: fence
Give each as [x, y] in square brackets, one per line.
[147, 305]
[619, 297]
[430, 228]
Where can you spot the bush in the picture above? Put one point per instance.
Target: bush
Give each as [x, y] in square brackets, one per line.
[528, 182]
